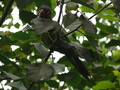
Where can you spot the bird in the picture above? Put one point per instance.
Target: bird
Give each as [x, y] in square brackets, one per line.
[53, 41]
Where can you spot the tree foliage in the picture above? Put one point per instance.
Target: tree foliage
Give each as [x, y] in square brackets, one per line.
[94, 24]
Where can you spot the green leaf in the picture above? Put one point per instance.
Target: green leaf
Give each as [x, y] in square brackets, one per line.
[113, 43]
[43, 2]
[86, 9]
[116, 73]
[111, 30]
[17, 25]
[83, 3]
[107, 29]
[4, 59]
[108, 14]
[74, 80]
[103, 85]
[53, 83]
[64, 60]
[22, 3]
[94, 43]
[26, 16]
[20, 36]
[6, 41]
[19, 85]
[116, 54]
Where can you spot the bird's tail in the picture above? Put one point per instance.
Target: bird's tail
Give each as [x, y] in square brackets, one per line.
[77, 63]
[73, 58]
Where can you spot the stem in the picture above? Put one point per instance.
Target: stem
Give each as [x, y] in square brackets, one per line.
[30, 86]
[5, 13]
[61, 7]
[88, 19]
[45, 60]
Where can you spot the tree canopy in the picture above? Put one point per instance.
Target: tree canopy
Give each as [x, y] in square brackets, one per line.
[92, 24]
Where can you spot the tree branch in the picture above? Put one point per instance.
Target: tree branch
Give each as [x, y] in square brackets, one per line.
[5, 13]
[88, 19]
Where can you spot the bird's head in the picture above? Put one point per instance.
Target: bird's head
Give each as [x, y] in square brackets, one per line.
[45, 12]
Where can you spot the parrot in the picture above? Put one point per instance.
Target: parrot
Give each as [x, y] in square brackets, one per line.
[53, 41]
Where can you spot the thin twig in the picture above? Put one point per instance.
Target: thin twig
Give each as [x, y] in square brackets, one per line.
[100, 10]
[48, 55]
[2, 86]
[61, 7]
[88, 19]
[5, 13]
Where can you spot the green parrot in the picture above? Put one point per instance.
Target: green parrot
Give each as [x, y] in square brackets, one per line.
[52, 39]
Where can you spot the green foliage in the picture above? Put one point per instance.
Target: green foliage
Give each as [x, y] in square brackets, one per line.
[24, 48]
[104, 85]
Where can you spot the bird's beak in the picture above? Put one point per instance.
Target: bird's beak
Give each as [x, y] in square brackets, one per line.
[41, 13]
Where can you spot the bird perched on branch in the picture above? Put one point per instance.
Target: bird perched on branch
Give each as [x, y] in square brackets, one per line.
[51, 38]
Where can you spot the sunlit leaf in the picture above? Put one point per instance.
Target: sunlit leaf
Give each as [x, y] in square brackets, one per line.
[116, 73]
[116, 54]
[103, 85]
[108, 15]
[86, 9]
[107, 29]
